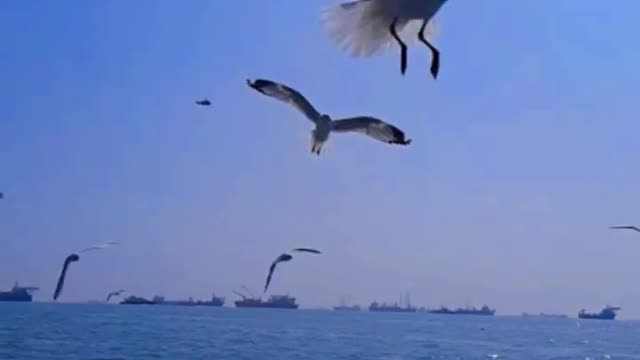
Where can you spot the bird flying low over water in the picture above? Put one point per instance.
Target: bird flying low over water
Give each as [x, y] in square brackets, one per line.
[74, 258]
[71, 258]
[114, 293]
[625, 227]
[324, 125]
[204, 102]
[366, 27]
[313, 251]
[272, 268]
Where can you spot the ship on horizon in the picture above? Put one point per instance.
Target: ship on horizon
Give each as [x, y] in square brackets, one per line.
[545, 315]
[384, 307]
[484, 310]
[608, 313]
[215, 301]
[18, 293]
[344, 307]
[274, 301]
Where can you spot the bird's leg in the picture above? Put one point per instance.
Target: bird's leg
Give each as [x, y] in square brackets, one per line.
[435, 62]
[403, 47]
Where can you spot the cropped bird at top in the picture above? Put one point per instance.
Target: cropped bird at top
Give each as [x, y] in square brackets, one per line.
[366, 27]
[367, 125]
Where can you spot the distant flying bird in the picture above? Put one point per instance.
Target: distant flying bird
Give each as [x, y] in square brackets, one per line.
[279, 259]
[366, 27]
[204, 102]
[314, 251]
[99, 247]
[626, 227]
[114, 293]
[73, 258]
[370, 126]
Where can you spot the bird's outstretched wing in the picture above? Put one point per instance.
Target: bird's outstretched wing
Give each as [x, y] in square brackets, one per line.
[287, 95]
[272, 268]
[625, 227]
[314, 251]
[63, 274]
[372, 127]
[98, 247]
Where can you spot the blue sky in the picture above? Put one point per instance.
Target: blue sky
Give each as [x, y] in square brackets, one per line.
[524, 153]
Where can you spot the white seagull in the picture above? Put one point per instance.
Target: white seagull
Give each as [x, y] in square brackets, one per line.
[365, 27]
[367, 125]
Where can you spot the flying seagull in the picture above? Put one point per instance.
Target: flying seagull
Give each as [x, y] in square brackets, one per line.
[367, 125]
[73, 258]
[114, 293]
[626, 227]
[366, 27]
[314, 251]
[279, 259]
[204, 102]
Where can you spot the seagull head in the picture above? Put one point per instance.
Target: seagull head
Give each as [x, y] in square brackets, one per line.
[324, 118]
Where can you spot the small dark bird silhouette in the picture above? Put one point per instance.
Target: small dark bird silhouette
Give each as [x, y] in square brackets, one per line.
[204, 102]
[71, 258]
[114, 293]
[313, 251]
[625, 227]
[279, 259]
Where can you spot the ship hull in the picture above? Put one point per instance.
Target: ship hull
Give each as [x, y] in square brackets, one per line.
[400, 310]
[597, 317]
[15, 297]
[265, 305]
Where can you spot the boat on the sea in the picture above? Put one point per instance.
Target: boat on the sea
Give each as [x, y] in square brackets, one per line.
[135, 300]
[215, 301]
[344, 307]
[484, 310]
[384, 307]
[608, 313]
[18, 293]
[274, 302]
[544, 315]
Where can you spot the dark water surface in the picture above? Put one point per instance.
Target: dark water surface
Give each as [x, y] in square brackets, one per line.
[65, 331]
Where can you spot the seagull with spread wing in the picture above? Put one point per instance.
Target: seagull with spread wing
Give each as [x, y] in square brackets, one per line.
[324, 125]
[313, 251]
[74, 258]
[625, 227]
[282, 258]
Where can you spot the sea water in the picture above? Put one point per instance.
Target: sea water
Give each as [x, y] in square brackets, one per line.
[93, 331]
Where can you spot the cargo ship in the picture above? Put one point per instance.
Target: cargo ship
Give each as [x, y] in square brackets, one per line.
[18, 294]
[274, 302]
[134, 300]
[384, 307]
[390, 308]
[485, 310]
[544, 315]
[215, 301]
[608, 313]
[344, 307]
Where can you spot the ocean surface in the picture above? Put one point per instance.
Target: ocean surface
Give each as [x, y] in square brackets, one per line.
[94, 331]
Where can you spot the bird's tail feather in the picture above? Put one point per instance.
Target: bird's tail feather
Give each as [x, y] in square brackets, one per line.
[362, 27]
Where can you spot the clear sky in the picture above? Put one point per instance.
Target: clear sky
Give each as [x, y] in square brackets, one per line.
[525, 150]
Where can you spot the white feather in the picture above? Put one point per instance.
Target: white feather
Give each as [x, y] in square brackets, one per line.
[362, 27]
